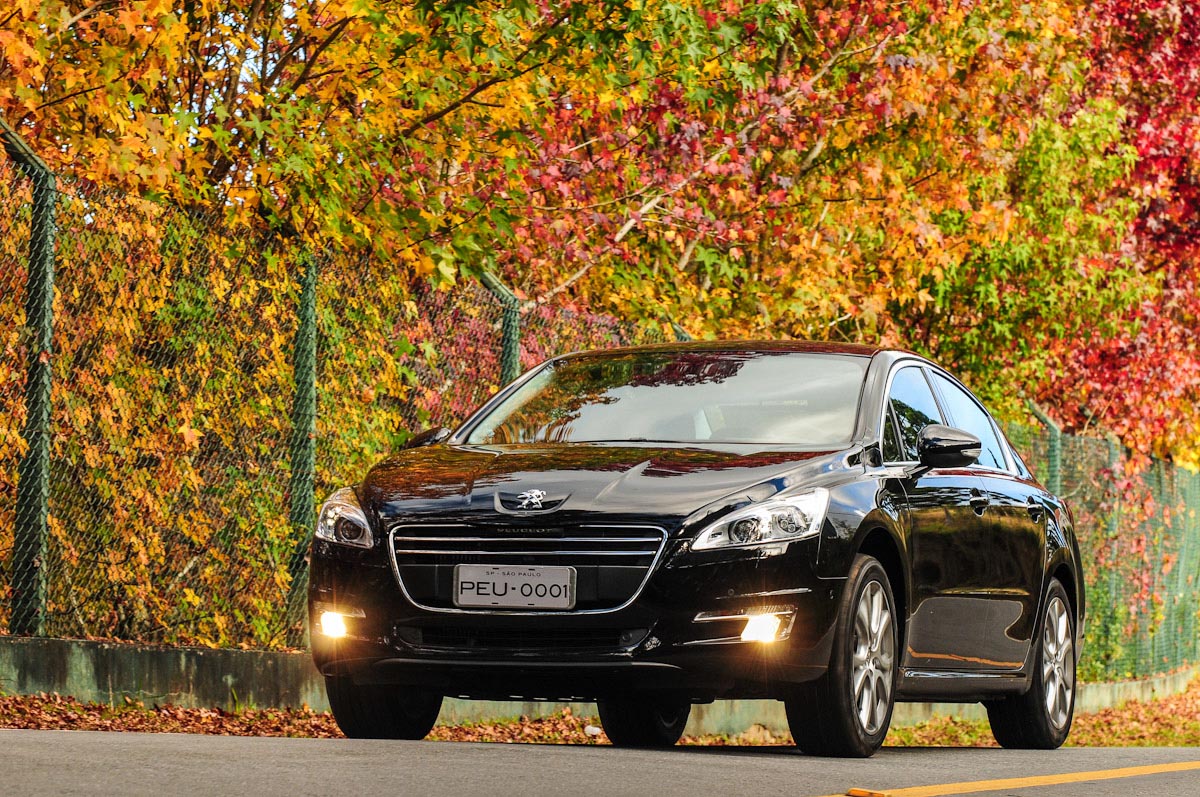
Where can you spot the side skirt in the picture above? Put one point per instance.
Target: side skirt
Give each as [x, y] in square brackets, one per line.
[951, 686]
[915, 685]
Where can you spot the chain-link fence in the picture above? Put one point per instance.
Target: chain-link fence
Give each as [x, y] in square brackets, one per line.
[165, 425]
[1139, 531]
[175, 396]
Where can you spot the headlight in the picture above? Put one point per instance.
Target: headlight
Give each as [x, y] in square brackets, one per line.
[774, 520]
[342, 520]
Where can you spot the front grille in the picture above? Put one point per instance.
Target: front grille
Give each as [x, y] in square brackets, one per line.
[558, 639]
[612, 562]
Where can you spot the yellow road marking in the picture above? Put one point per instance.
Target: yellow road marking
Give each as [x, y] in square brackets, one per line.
[972, 786]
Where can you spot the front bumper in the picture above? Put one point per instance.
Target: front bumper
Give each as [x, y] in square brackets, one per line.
[654, 643]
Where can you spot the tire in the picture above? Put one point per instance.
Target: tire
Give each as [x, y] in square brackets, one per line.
[648, 721]
[381, 712]
[1041, 718]
[847, 711]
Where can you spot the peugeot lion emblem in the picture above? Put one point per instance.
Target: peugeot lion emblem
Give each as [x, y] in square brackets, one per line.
[531, 499]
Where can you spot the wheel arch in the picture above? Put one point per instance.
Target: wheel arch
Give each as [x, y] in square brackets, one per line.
[883, 546]
[1066, 576]
[1064, 558]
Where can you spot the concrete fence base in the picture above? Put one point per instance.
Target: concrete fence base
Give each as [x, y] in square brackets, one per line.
[200, 677]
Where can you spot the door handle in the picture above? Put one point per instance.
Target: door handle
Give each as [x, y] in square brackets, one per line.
[1035, 510]
[979, 501]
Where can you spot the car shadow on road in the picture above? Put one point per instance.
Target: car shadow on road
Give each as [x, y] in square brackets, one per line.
[747, 750]
[789, 750]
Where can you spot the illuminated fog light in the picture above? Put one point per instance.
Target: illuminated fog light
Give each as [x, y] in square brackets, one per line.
[333, 624]
[762, 628]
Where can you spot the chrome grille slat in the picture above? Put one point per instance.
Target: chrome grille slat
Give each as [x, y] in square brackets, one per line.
[447, 552]
[611, 559]
[621, 540]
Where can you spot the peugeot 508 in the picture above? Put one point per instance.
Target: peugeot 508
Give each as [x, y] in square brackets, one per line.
[837, 527]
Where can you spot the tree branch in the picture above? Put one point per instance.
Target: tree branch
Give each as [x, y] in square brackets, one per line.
[334, 33]
[84, 14]
[492, 81]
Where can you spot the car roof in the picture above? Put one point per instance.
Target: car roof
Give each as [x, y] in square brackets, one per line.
[748, 346]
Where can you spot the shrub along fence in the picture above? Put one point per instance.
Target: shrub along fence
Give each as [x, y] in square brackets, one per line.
[175, 397]
[1139, 531]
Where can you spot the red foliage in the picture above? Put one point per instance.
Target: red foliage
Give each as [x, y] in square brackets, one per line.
[1146, 56]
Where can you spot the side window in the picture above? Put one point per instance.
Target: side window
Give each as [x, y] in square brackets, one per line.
[1022, 468]
[891, 441]
[914, 408]
[967, 415]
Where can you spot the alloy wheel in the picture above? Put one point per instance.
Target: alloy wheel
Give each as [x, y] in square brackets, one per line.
[873, 657]
[1058, 662]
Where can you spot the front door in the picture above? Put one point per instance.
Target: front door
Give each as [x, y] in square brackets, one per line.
[944, 514]
[1015, 538]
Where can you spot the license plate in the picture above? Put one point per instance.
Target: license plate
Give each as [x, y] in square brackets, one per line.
[509, 587]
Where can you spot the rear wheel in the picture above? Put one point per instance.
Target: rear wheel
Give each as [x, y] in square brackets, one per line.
[847, 711]
[381, 712]
[648, 721]
[1040, 719]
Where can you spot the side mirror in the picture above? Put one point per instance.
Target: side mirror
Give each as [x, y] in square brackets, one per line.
[941, 446]
[428, 437]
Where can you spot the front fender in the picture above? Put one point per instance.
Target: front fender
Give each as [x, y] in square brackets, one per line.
[847, 525]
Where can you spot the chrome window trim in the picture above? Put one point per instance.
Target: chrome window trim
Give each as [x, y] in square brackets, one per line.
[650, 569]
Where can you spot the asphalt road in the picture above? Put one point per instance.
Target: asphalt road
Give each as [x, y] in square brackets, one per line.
[82, 762]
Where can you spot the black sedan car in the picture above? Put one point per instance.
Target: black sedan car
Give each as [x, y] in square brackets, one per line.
[837, 527]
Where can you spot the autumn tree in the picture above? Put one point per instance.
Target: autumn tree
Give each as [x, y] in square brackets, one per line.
[926, 175]
[1144, 384]
[343, 118]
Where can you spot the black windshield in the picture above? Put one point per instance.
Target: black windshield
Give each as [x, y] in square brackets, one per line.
[762, 397]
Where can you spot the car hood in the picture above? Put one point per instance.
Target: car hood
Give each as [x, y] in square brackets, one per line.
[620, 482]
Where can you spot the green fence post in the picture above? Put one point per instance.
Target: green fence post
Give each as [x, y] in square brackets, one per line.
[1053, 450]
[303, 451]
[33, 473]
[1156, 639]
[1186, 568]
[510, 328]
[1114, 463]
[1112, 582]
[681, 334]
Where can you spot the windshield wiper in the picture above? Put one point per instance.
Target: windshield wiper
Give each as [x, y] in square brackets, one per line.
[637, 440]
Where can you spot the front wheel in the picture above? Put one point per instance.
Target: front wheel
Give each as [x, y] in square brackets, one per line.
[1040, 719]
[646, 721]
[381, 712]
[847, 711]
